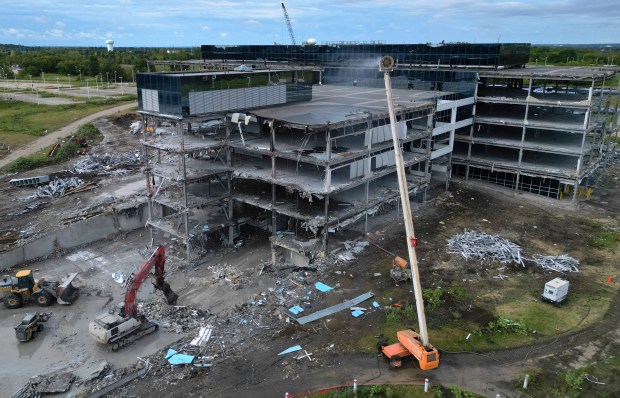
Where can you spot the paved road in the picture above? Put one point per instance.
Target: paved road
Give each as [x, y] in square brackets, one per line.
[66, 131]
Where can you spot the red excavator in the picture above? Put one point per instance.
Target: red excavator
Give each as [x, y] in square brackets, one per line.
[125, 325]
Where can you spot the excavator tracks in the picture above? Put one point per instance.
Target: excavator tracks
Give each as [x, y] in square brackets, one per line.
[145, 329]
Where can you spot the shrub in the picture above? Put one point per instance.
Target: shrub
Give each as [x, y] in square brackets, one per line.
[66, 152]
[27, 163]
[87, 132]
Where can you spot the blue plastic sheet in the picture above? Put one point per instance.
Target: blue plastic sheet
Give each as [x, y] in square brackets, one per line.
[322, 287]
[291, 349]
[174, 358]
[296, 309]
[357, 313]
[375, 304]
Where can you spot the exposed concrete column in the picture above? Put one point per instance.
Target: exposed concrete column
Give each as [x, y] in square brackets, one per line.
[471, 133]
[145, 156]
[328, 156]
[366, 186]
[525, 122]
[448, 172]
[231, 227]
[325, 228]
[185, 202]
[274, 216]
[575, 191]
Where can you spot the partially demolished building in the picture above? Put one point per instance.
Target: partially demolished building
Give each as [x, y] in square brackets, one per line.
[543, 130]
[302, 151]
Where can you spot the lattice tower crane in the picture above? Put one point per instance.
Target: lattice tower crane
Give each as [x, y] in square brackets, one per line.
[289, 25]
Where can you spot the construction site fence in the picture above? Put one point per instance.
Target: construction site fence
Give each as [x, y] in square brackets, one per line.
[355, 384]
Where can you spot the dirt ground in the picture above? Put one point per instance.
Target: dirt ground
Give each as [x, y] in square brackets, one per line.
[245, 301]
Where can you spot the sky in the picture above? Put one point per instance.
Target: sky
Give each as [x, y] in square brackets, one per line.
[190, 23]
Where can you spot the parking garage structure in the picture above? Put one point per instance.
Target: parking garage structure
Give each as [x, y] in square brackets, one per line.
[543, 130]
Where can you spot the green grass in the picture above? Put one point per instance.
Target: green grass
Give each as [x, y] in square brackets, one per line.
[395, 391]
[68, 150]
[23, 122]
[606, 240]
[576, 382]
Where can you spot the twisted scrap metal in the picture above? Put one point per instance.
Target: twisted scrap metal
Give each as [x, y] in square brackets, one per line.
[105, 163]
[562, 263]
[57, 188]
[472, 244]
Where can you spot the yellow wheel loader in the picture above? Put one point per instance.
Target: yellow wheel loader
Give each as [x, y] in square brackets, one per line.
[21, 289]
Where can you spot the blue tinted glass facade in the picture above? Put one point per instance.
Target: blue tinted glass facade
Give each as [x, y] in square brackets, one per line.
[461, 82]
[453, 54]
[173, 91]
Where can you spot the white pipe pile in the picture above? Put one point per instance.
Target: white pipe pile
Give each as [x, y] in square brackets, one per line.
[471, 244]
[562, 263]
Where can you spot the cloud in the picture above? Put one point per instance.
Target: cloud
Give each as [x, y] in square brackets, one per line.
[55, 32]
[73, 22]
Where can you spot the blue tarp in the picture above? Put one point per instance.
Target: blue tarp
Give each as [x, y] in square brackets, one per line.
[296, 309]
[357, 313]
[174, 358]
[322, 287]
[375, 304]
[291, 349]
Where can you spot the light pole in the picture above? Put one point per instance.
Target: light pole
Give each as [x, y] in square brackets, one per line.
[87, 89]
[31, 84]
[107, 78]
[122, 90]
[114, 77]
[80, 70]
[43, 76]
[133, 77]
[69, 76]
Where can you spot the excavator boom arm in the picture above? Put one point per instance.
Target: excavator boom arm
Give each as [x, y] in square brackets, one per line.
[157, 260]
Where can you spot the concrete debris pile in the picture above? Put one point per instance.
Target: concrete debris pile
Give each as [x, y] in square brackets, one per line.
[107, 164]
[562, 263]
[351, 249]
[57, 188]
[227, 275]
[178, 318]
[103, 380]
[51, 383]
[135, 127]
[471, 244]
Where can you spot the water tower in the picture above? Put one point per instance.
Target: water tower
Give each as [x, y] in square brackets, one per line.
[110, 45]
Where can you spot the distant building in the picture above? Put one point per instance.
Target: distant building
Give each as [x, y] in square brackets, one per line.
[110, 45]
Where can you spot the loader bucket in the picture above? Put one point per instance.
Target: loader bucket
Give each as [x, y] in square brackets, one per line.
[67, 293]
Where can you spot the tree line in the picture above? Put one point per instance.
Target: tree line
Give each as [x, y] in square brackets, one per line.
[86, 61]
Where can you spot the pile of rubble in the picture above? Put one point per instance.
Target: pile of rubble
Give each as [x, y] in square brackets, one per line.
[227, 275]
[51, 383]
[58, 187]
[108, 164]
[471, 244]
[178, 318]
[562, 263]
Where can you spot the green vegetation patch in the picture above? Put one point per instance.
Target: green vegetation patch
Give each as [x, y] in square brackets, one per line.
[87, 133]
[395, 391]
[597, 380]
[23, 122]
[606, 240]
